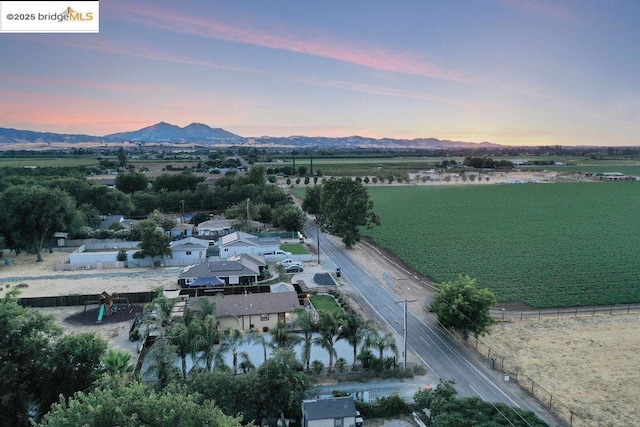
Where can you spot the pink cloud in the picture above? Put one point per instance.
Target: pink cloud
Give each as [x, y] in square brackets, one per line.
[75, 83]
[341, 50]
[145, 52]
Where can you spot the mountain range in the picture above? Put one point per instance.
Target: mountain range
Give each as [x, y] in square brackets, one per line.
[198, 133]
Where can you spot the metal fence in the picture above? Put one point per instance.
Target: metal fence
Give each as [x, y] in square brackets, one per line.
[515, 374]
[78, 300]
[563, 313]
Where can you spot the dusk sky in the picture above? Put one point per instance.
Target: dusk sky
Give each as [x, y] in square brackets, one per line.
[516, 72]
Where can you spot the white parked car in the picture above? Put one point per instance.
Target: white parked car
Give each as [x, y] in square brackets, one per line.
[289, 262]
[278, 252]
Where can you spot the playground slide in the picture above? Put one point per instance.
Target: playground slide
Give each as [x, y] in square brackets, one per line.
[100, 313]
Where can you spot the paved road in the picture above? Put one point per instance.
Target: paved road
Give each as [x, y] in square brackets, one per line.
[443, 356]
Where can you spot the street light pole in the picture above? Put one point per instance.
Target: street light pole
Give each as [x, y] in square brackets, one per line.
[404, 332]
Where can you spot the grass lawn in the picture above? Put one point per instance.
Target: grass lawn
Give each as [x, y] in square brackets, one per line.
[325, 303]
[295, 248]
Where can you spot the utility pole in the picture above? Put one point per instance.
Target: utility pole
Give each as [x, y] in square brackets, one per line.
[248, 216]
[318, 237]
[404, 332]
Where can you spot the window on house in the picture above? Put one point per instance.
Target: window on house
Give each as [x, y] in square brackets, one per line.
[264, 316]
[338, 422]
[188, 252]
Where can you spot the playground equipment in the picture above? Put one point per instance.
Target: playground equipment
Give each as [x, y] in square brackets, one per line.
[107, 303]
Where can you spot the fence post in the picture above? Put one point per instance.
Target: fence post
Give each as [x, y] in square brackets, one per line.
[539, 314]
[533, 384]
[521, 314]
[558, 315]
[570, 417]
[551, 401]
[476, 343]
[489, 354]
[516, 374]
[576, 312]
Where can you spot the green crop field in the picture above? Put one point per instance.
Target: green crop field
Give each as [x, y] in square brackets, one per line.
[22, 162]
[546, 245]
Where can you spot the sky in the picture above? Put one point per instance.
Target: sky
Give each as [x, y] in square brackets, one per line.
[513, 72]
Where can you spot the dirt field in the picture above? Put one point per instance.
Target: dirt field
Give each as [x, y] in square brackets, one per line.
[589, 364]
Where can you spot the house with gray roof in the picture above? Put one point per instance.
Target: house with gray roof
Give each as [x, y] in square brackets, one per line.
[330, 412]
[257, 312]
[242, 270]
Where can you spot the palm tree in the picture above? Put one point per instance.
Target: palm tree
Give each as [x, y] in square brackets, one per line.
[329, 327]
[162, 358]
[233, 339]
[245, 364]
[381, 342]
[184, 336]
[204, 307]
[158, 311]
[355, 329]
[207, 340]
[256, 337]
[306, 322]
[281, 339]
[117, 364]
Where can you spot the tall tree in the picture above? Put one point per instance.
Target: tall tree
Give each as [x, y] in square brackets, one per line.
[233, 339]
[74, 366]
[345, 206]
[329, 328]
[381, 342]
[311, 201]
[137, 404]
[183, 335]
[207, 341]
[354, 330]
[461, 305]
[31, 214]
[122, 157]
[26, 337]
[306, 322]
[131, 182]
[154, 243]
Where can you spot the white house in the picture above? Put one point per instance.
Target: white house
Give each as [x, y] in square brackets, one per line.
[215, 227]
[238, 243]
[189, 248]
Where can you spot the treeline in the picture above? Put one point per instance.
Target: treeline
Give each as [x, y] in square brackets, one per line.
[37, 206]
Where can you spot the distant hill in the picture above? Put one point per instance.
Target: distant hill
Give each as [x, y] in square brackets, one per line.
[166, 132]
[198, 133]
[364, 142]
[15, 136]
